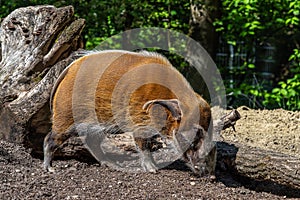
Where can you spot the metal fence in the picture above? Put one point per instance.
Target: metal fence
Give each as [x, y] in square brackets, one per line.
[231, 59]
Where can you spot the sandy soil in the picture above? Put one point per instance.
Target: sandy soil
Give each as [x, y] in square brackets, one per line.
[22, 176]
[277, 130]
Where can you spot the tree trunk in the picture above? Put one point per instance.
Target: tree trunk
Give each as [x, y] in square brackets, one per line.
[37, 44]
[203, 14]
[259, 164]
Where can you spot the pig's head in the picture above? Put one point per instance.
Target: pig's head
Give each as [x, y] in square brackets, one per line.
[199, 151]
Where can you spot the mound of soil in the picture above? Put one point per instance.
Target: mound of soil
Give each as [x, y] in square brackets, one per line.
[277, 130]
[22, 176]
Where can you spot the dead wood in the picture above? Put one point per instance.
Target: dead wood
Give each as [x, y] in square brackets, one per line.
[241, 160]
[259, 164]
[37, 43]
[125, 141]
[256, 163]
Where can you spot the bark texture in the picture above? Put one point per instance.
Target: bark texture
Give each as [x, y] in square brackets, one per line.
[203, 14]
[259, 164]
[37, 43]
[241, 160]
[201, 30]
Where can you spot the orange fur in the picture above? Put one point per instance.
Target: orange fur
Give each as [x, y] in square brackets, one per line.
[62, 100]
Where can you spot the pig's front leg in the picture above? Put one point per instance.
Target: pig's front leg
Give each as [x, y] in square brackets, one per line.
[147, 140]
[147, 161]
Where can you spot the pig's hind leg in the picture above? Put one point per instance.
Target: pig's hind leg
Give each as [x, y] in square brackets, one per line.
[51, 142]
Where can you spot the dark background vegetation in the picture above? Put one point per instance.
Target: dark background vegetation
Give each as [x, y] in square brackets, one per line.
[255, 44]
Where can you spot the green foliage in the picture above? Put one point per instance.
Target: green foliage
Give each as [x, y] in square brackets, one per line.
[287, 94]
[257, 22]
[249, 20]
[252, 21]
[107, 18]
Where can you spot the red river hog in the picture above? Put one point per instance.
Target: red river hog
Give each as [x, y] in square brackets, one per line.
[141, 93]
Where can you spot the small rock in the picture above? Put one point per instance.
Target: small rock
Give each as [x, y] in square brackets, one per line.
[72, 169]
[192, 183]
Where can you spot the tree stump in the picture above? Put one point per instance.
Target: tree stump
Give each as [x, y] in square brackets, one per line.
[37, 44]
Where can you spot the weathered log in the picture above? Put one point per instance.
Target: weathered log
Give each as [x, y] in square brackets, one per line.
[259, 164]
[125, 141]
[255, 163]
[226, 121]
[230, 119]
[241, 160]
[37, 43]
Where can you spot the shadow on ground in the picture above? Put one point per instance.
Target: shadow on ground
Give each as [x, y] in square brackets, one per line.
[228, 175]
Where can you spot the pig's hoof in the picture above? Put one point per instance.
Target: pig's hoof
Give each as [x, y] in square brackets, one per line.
[208, 177]
[49, 169]
[152, 170]
[212, 178]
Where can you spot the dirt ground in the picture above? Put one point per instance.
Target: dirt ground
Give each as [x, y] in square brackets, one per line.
[277, 130]
[22, 176]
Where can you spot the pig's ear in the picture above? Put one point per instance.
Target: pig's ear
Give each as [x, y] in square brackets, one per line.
[171, 104]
